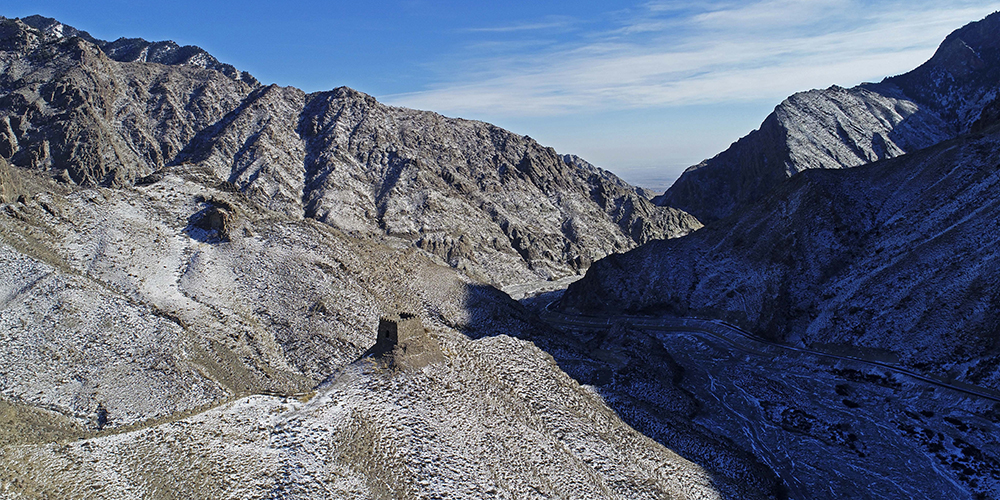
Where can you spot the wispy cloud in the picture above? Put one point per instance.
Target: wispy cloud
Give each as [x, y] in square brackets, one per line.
[555, 24]
[664, 53]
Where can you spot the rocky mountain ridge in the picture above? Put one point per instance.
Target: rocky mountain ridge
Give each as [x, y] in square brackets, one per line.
[70, 109]
[138, 50]
[99, 113]
[455, 188]
[844, 128]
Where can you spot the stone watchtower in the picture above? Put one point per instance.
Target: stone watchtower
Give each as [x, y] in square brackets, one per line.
[403, 340]
[393, 330]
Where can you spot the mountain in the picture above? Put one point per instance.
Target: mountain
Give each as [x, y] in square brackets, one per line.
[862, 297]
[841, 128]
[70, 109]
[139, 50]
[202, 275]
[101, 113]
[897, 256]
[137, 338]
[454, 188]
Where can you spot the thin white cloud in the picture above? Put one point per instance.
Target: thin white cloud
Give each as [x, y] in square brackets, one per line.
[552, 25]
[666, 54]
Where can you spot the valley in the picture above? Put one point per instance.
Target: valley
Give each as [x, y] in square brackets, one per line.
[215, 288]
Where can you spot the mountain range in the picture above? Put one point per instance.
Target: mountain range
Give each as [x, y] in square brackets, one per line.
[110, 113]
[182, 246]
[218, 288]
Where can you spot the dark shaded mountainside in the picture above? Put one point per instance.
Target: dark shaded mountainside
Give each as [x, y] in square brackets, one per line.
[101, 113]
[896, 257]
[841, 128]
[899, 256]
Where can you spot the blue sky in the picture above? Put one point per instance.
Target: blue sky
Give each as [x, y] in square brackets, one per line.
[642, 88]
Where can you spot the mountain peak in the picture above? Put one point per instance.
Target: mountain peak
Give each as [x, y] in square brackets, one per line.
[53, 29]
[48, 30]
[959, 79]
[977, 39]
[844, 128]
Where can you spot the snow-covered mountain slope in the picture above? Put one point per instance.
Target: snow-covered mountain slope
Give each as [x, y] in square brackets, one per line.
[193, 268]
[842, 128]
[497, 419]
[144, 319]
[495, 204]
[897, 256]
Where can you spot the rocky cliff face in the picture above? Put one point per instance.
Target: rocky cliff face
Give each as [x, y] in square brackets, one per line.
[70, 109]
[455, 188]
[897, 255]
[495, 204]
[842, 128]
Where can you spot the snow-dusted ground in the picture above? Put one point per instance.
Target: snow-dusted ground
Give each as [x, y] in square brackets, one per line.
[498, 419]
[531, 289]
[145, 356]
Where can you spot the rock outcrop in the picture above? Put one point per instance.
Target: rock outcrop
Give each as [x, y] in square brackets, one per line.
[843, 128]
[10, 188]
